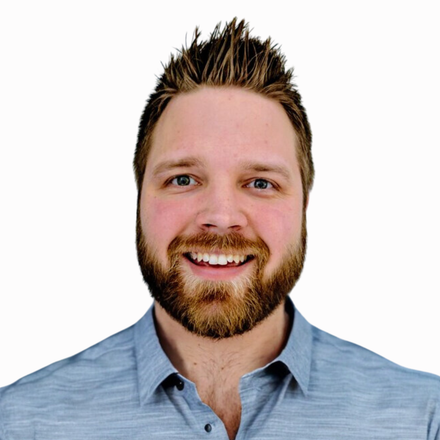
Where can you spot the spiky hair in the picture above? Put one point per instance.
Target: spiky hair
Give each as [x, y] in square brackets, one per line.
[230, 57]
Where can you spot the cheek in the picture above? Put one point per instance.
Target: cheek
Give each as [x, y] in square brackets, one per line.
[162, 220]
[280, 228]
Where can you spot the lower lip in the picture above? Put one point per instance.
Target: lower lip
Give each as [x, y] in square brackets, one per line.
[218, 272]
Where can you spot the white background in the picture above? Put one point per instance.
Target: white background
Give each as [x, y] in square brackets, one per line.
[74, 79]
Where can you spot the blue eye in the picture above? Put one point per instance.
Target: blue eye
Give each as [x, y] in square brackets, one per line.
[183, 180]
[260, 184]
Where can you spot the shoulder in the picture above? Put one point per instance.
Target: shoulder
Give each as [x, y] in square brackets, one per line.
[78, 377]
[351, 360]
[371, 385]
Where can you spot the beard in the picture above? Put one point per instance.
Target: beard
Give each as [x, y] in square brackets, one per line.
[219, 309]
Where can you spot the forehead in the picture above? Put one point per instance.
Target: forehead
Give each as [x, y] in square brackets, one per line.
[226, 121]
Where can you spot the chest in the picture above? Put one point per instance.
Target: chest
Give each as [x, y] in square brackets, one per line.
[226, 404]
[266, 411]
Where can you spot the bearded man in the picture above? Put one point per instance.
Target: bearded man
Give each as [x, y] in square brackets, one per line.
[224, 171]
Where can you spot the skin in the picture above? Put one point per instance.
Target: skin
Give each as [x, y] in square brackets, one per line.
[238, 151]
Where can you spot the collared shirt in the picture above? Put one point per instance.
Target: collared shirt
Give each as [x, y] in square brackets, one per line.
[319, 387]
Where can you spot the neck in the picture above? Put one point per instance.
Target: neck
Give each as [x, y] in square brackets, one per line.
[198, 358]
[216, 366]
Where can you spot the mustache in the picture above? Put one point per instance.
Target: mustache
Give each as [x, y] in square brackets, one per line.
[211, 242]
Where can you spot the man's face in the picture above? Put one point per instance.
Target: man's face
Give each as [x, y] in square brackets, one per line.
[221, 231]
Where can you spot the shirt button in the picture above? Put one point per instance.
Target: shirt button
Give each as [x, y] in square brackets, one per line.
[208, 427]
[180, 385]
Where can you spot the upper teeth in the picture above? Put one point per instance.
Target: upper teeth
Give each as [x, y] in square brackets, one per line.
[221, 259]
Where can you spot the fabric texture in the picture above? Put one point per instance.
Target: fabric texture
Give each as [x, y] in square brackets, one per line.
[320, 387]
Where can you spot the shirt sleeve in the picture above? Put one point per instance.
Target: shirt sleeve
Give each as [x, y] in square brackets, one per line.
[2, 430]
[3, 435]
[434, 429]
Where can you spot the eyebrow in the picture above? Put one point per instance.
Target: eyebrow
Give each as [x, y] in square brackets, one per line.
[167, 165]
[261, 168]
[189, 162]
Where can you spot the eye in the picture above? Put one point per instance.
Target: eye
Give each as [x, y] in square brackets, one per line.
[183, 180]
[260, 184]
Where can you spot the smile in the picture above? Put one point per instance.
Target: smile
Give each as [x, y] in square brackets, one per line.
[205, 259]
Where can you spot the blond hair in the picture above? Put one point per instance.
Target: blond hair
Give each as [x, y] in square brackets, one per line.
[231, 57]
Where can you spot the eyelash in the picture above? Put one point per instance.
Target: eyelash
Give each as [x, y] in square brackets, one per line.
[170, 181]
[270, 184]
[192, 182]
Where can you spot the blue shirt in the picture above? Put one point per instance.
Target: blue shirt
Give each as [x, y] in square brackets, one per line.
[320, 387]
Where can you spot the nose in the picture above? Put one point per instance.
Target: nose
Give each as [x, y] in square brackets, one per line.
[222, 211]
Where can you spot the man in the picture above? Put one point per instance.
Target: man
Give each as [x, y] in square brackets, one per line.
[224, 171]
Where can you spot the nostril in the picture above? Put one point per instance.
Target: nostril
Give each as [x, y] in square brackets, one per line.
[211, 226]
[213, 218]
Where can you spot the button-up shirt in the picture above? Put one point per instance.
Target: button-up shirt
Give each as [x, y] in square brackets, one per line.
[319, 387]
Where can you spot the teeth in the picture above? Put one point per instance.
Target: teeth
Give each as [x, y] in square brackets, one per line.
[215, 259]
[222, 260]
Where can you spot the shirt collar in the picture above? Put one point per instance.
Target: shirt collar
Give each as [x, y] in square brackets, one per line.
[297, 354]
[154, 366]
